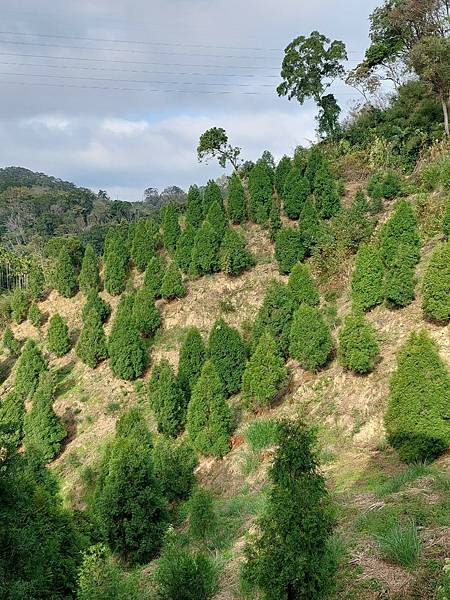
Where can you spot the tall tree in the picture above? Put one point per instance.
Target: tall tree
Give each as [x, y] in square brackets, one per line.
[65, 274]
[167, 399]
[185, 244]
[436, 285]
[282, 171]
[367, 278]
[142, 248]
[171, 228]
[234, 258]
[191, 359]
[194, 208]
[260, 187]
[91, 346]
[310, 339]
[214, 144]
[205, 253]
[236, 202]
[29, 366]
[89, 276]
[228, 353]
[58, 339]
[296, 191]
[153, 277]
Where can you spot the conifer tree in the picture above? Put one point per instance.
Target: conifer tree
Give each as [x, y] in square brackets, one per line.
[234, 258]
[12, 413]
[358, 345]
[43, 431]
[205, 254]
[211, 194]
[58, 340]
[133, 424]
[302, 286]
[89, 276]
[399, 281]
[309, 226]
[288, 249]
[171, 228]
[282, 170]
[296, 191]
[10, 343]
[126, 351]
[236, 202]
[192, 357]
[174, 462]
[167, 399]
[96, 302]
[19, 305]
[446, 220]
[65, 275]
[265, 373]
[274, 221]
[146, 316]
[416, 420]
[400, 228]
[367, 279]
[209, 417]
[142, 248]
[153, 277]
[35, 316]
[218, 219]
[29, 366]
[228, 352]
[314, 162]
[310, 340]
[436, 285]
[194, 207]
[325, 193]
[202, 517]
[172, 284]
[91, 346]
[185, 244]
[116, 273]
[36, 282]
[291, 556]
[260, 188]
[153, 237]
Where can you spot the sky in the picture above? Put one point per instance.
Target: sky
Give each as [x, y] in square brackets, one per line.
[114, 94]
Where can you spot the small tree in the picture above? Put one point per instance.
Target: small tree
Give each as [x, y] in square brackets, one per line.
[309, 226]
[302, 286]
[236, 203]
[145, 313]
[194, 207]
[174, 464]
[288, 249]
[19, 305]
[12, 413]
[325, 192]
[260, 188]
[89, 276]
[192, 357]
[172, 284]
[282, 171]
[399, 281]
[205, 254]
[10, 343]
[58, 340]
[153, 277]
[436, 285]
[209, 417]
[274, 221]
[358, 345]
[417, 416]
[185, 244]
[36, 282]
[29, 366]
[228, 353]
[202, 517]
[234, 258]
[128, 357]
[91, 346]
[218, 219]
[211, 194]
[265, 374]
[94, 301]
[310, 341]
[65, 275]
[400, 229]
[167, 399]
[116, 273]
[296, 191]
[142, 248]
[171, 228]
[367, 279]
[35, 316]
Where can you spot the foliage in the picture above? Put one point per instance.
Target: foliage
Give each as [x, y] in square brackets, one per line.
[274, 221]
[401, 545]
[191, 359]
[309, 226]
[326, 193]
[143, 246]
[19, 305]
[167, 399]
[399, 281]
[236, 202]
[288, 248]
[446, 220]
[261, 434]
[213, 143]
[228, 352]
[89, 279]
[217, 217]
[211, 194]
[172, 283]
[65, 276]
[416, 419]
[58, 340]
[234, 258]
[12, 413]
[296, 191]
[185, 244]
[10, 342]
[310, 339]
[436, 285]
[358, 345]
[171, 228]
[194, 207]
[145, 313]
[174, 463]
[36, 282]
[260, 188]
[91, 347]
[29, 366]
[35, 316]
[401, 228]
[282, 171]
[115, 260]
[96, 302]
[205, 254]
[153, 277]
[302, 286]
[202, 517]
[367, 278]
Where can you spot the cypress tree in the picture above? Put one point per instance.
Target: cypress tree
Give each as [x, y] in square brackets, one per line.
[325, 193]
[265, 373]
[58, 340]
[89, 275]
[296, 191]
[358, 345]
[234, 258]
[302, 286]
[446, 220]
[218, 219]
[274, 221]
[19, 305]
[172, 284]
[35, 316]
[29, 366]
[171, 228]
[194, 208]
[12, 413]
[209, 417]
[315, 160]
[126, 351]
[288, 249]
[310, 340]
[10, 342]
[153, 237]
[115, 260]
[291, 556]
[185, 244]
[96, 302]
[65, 275]
[43, 431]
[436, 285]
[260, 188]
[309, 226]
[167, 400]
[202, 517]
[174, 464]
[205, 254]
[236, 203]
[399, 280]
[142, 248]
[416, 420]
[281, 172]
[228, 352]
[132, 424]
[145, 314]
[367, 279]
[400, 229]
[191, 359]
[36, 282]
[211, 194]
[91, 346]
[154, 276]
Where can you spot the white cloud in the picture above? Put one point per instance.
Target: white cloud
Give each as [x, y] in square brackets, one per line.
[49, 122]
[123, 127]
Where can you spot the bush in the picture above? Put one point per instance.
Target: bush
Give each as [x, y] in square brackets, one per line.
[399, 280]
[436, 285]
[143, 246]
[167, 399]
[236, 203]
[265, 373]
[205, 254]
[185, 244]
[89, 280]
[91, 346]
[260, 188]
[202, 518]
[191, 359]
[34, 315]
[10, 343]
[29, 366]
[209, 417]
[384, 186]
[19, 305]
[234, 258]
[171, 228]
[314, 160]
[367, 279]
[194, 207]
[309, 226]
[261, 434]
[325, 192]
[174, 464]
[58, 340]
[302, 286]
[400, 229]
[288, 249]
[296, 191]
[128, 357]
[145, 313]
[172, 284]
[153, 277]
[228, 352]
[12, 413]
[36, 282]
[282, 171]
[416, 419]
[401, 545]
[310, 340]
[65, 275]
[358, 344]
[95, 302]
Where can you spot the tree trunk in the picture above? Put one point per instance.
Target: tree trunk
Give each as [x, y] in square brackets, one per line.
[446, 121]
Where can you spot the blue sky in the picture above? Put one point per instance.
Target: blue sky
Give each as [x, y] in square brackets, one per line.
[114, 94]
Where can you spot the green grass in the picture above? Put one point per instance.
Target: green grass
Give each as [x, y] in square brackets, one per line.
[400, 544]
[396, 482]
[261, 434]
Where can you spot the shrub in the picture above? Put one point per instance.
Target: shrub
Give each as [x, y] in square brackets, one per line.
[29, 366]
[296, 191]
[309, 226]
[436, 285]
[126, 350]
[325, 192]
[174, 464]
[91, 346]
[274, 221]
[288, 249]
[115, 261]
[367, 279]
[202, 517]
[228, 353]
[142, 248]
[302, 286]
[19, 305]
[34, 315]
[58, 340]
[172, 284]
[265, 373]
[236, 203]
[185, 244]
[89, 280]
[401, 545]
[205, 254]
[275, 316]
[310, 340]
[167, 399]
[260, 188]
[65, 275]
[192, 357]
[399, 281]
[211, 194]
[153, 277]
[416, 419]
[282, 171]
[145, 313]
[234, 258]
[358, 344]
[194, 207]
[261, 434]
[208, 417]
[171, 228]
[12, 413]
[10, 342]
[391, 186]
[218, 219]
[314, 160]
[95, 302]
[400, 229]
[36, 282]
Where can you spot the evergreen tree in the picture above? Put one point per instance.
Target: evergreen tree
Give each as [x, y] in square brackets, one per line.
[274, 221]
[446, 220]
[211, 194]
[96, 302]
[146, 316]
[167, 399]
[19, 305]
[154, 276]
[185, 244]
[218, 219]
[236, 203]
[325, 193]
[358, 345]
[171, 228]
[202, 516]
[265, 373]
[29, 366]
[89, 276]
[400, 229]
[43, 431]
[35, 316]
[291, 556]
[172, 284]
[281, 172]
[142, 248]
[234, 258]
[310, 340]
[174, 464]
[58, 340]
[133, 424]
[209, 417]
[128, 357]
[91, 346]
[228, 352]
[194, 207]
[12, 413]
[192, 357]
[309, 226]
[115, 260]
[260, 188]
[205, 254]
[288, 249]
[302, 286]
[367, 279]
[399, 280]
[296, 191]
[10, 343]
[65, 275]
[436, 285]
[416, 420]
[36, 282]
[275, 315]
[314, 161]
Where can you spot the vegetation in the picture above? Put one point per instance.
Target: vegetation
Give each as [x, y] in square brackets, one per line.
[58, 339]
[153, 277]
[65, 276]
[191, 359]
[194, 207]
[145, 313]
[228, 353]
[172, 283]
[205, 254]
[19, 305]
[167, 399]
[260, 188]
[10, 342]
[171, 228]
[436, 285]
[275, 316]
[358, 345]
[234, 258]
[12, 413]
[89, 280]
[185, 244]
[174, 463]
[36, 282]
[236, 202]
[96, 302]
[310, 339]
[35, 316]
[29, 366]
[91, 347]
[367, 279]
[288, 249]
[128, 358]
[302, 287]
